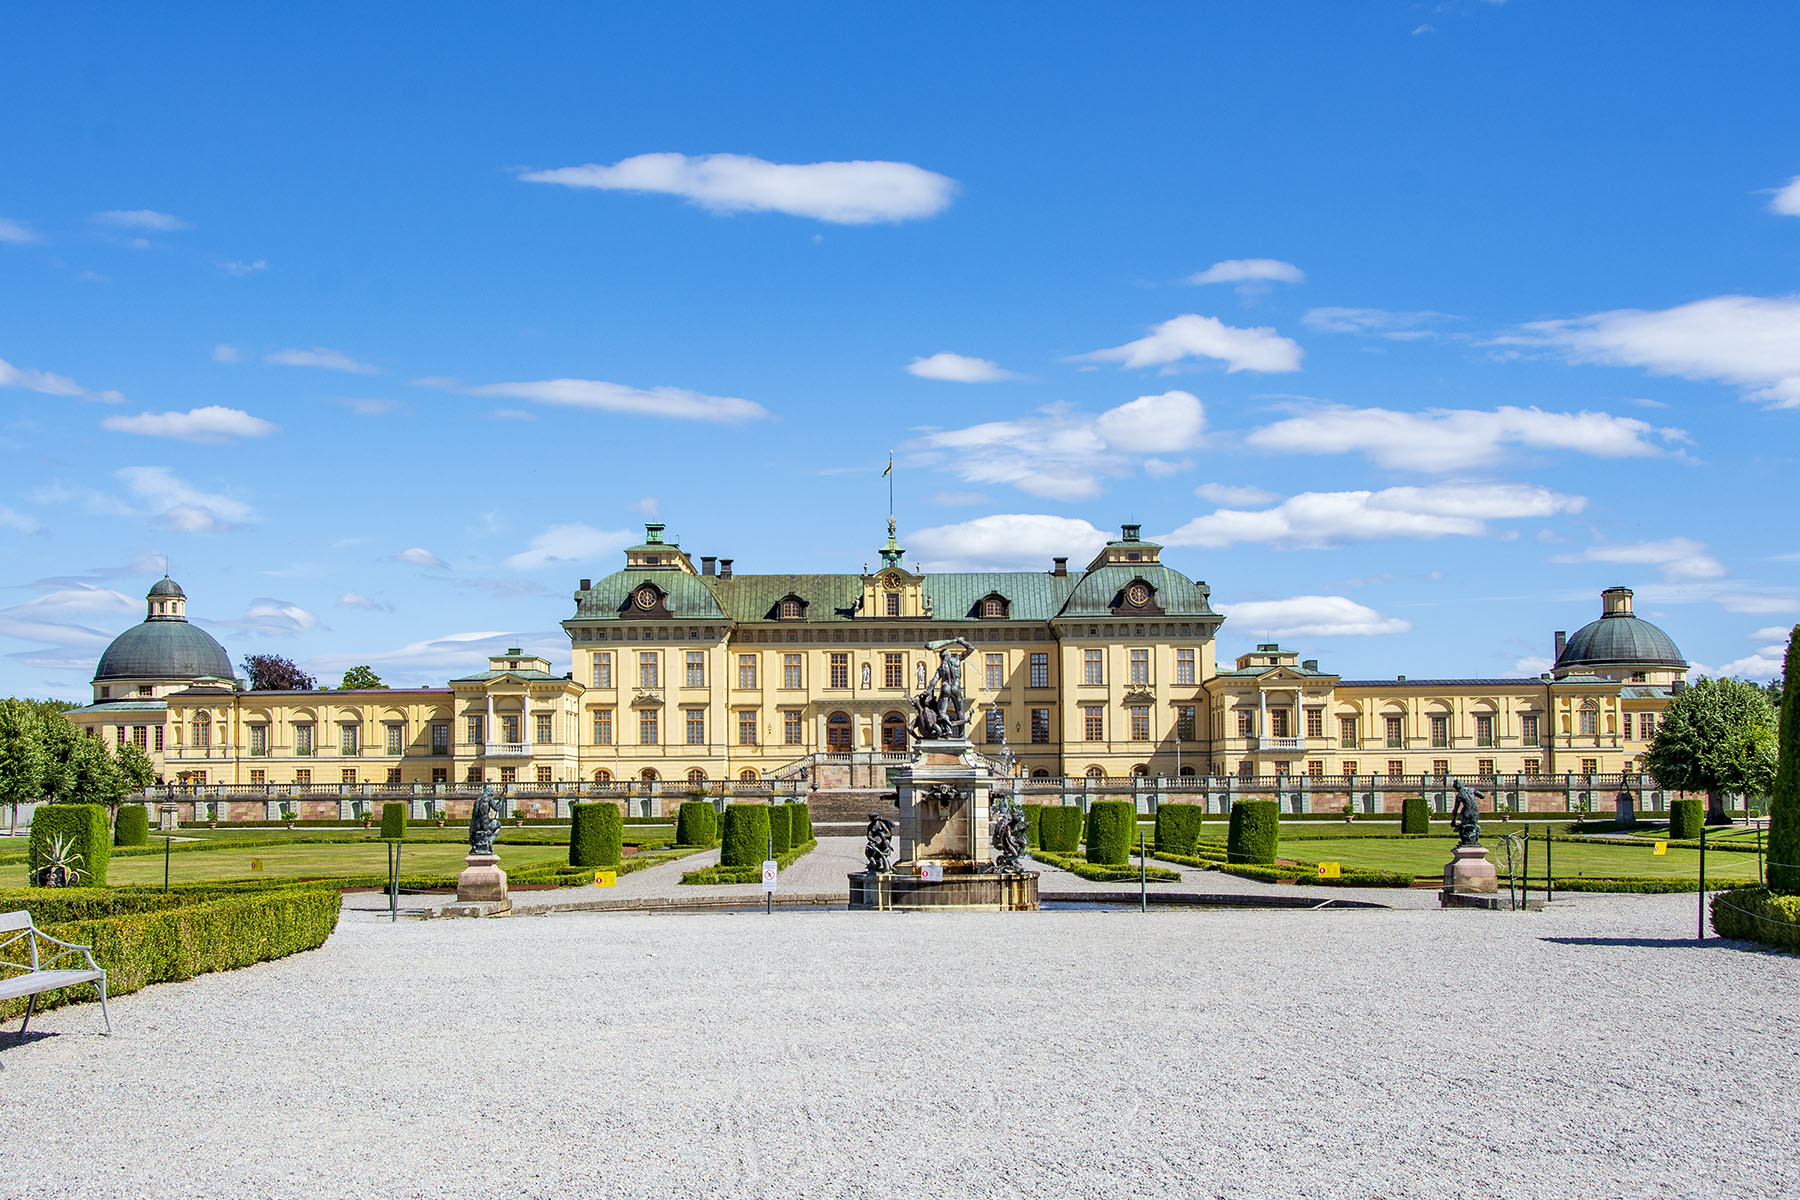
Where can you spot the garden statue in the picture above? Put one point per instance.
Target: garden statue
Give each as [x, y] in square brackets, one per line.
[1008, 834]
[941, 710]
[1465, 815]
[484, 820]
[881, 844]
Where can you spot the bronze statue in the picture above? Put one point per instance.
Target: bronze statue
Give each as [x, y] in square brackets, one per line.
[484, 820]
[940, 710]
[1008, 834]
[1465, 816]
[881, 844]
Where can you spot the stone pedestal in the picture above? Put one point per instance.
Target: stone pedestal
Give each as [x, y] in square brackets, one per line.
[1469, 871]
[1624, 811]
[480, 889]
[1015, 891]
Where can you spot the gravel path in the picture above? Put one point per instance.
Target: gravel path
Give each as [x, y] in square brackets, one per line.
[1585, 1051]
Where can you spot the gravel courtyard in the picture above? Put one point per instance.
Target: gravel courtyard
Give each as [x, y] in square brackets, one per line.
[1585, 1051]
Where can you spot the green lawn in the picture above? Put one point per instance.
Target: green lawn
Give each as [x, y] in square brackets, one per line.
[1427, 856]
[318, 861]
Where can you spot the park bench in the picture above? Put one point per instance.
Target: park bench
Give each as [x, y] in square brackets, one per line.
[38, 978]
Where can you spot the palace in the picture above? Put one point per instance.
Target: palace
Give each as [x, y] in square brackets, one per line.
[690, 674]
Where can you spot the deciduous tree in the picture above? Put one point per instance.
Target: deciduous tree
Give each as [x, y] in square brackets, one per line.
[1717, 737]
[361, 677]
[21, 755]
[273, 673]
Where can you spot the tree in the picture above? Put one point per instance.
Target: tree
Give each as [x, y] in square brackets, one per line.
[1716, 737]
[1784, 802]
[58, 738]
[21, 755]
[273, 673]
[361, 677]
[93, 777]
[135, 766]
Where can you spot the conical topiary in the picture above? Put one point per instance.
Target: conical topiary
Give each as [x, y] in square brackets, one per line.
[1784, 802]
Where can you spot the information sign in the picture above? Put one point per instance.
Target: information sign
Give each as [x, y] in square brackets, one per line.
[1329, 870]
[931, 872]
[768, 875]
[1661, 848]
[256, 864]
[606, 878]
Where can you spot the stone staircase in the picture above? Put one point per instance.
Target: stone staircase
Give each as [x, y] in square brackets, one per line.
[849, 806]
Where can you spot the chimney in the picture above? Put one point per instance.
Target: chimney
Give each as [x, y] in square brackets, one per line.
[1130, 532]
[707, 564]
[724, 568]
[1401, 679]
[1562, 639]
[1060, 567]
[587, 585]
[1309, 664]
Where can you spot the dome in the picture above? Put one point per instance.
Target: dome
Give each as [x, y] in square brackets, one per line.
[165, 646]
[166, 587]
[1619, 639]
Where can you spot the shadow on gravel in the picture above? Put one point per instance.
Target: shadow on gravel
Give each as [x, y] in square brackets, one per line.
[14, 1040]
[1625, 941]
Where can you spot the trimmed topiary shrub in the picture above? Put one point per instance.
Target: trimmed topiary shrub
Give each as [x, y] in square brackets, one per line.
[1059, 827]
[1255, 832]
[1033, 812]
[1178, 827]
[1757, 915]
[393, 820]
[781, 829]
[746, 835]
[82, 826]
[802, 825]
[1111, 832]
[596, 835]
[1784, 797]
[696, 823]
[1685, 817]
[132, 826]
[1415, 815]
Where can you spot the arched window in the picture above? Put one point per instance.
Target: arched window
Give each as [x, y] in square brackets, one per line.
[747, 775]
[696, 776]
[1589, 718]
[603, 776]
[838, 731]
[1040, 773]
[648, 774]
[893, 731]
[202, 731]
[1187, 772]
[1096, 772]
[790, 609]
[1139, 771]
[993, 608]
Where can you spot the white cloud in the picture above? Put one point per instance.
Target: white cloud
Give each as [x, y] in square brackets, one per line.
[223, 353]
[179, 507]
[957, 499]
[51, 384]
[1221, 493]
[210, 424]
[1531, 664]
[1250, 271]
[1064, 454]
[1319, 519]
[429, 661]
[1785, 201]
[1017, 541]
[1440, 439]
[268, 617]
[321, 356]
[356, 600]
[1162, 468]
[17, 233]
[844, 193]
[570, 543]
[1378, 322]
[238, 269]
[1676, 558]
[1752, 342]
[1191, 336]
[12, 518]
[647, 506]
[418, 556]
[74, 620]
[1310, 616]
[142, 218]
[677, 404]
[1771, 633]
[959, 368]
[512, 414]
[1756, 602]
[365, 406]
[1421, 30]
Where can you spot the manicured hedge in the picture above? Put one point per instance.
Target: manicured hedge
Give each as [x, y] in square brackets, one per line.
[1178, 827]
[132, 826]
[1107, 873]
[1111, 831]
[83, 824]
[696, 823]
[1685, 817]
[1756, 914]
[1059, 828]
[781, 830]
[751, 872]
[139, 948]
[745, 842]
[393, 820]
[1415, 815]
[596, 833]
[1255, 832]
[1033, 814]
[801, 825]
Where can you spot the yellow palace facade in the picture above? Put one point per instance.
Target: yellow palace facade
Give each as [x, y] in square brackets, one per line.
[689, 674]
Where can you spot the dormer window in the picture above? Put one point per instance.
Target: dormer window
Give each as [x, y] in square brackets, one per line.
[992, 607]
[791, 608]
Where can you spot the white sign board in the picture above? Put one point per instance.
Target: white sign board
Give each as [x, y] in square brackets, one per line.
[768, 874]
[931, 872]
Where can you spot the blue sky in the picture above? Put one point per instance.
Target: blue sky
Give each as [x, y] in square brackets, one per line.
[1408, 327]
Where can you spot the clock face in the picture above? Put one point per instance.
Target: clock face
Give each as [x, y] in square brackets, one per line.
[1138, 594]
[891, 580]
[646, 597]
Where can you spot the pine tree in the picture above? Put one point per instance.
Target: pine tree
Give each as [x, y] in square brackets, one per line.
[1784, 804]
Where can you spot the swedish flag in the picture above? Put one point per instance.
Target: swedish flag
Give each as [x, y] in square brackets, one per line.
[890, 467]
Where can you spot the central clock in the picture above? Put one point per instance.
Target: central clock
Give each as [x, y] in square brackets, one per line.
[646, 597]
[1138, 594]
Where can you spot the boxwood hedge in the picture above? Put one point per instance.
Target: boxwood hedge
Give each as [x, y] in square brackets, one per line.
[1111, 831]
[1685, 817]
[393, 820]
[132, 826]
[596, 833]
[1415, 815]
[1756, 914]
[1059, 828]
[1033, 813]
[746, 836]
[781, 829]
[1255, 832]
[83, 825]
[1178, 827]
[696, 823]
[800, 828]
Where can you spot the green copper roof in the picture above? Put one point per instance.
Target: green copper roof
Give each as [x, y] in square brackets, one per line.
[163, 648]
[686, 595]
[1177, 595]
[1620, 639]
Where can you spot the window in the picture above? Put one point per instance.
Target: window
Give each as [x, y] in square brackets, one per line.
[1528, 732]
[790, 671]
[1347, 733]
[1440, 767]
[145, 689]
[259, 740]
[1589, 719]
[440, 775]
[603, 776]
[349, 738]
[696, 726]
[545, 731]
[893, 671]
[747, 671]
[603, 727]
[475, 730]
[747, 722]
[1315, 722]
[893, 731]
[790, 609]
[996, 724]
[1647, 726]
[1040, 670]
[203, 732]
[1484, 730]
[258, 777]
[1140, 668]
[1484, 767]
[696, 668]
[1590, 766]
[1396, 768]
[1396, 740]
[1246, 769]
[1278, 723]
[1040, 726]
[1347, 767]
[1533, 766]
[838, 731]
[1283, 767]
[791, 733]
[1093, 669]
[303, 777]
[1627, 729]
[696, 775]
[646, 727]
[1184, 666]
[303, 740]
[157, 736]
[475, 775]
[395, 735]
[1315, 768]
[440, 737]
[1246, 722]
[840, 670]
[509, 775]
[993, 608]
[647, 668]
[996, 671]
[1440, 733]
[509, 730]
[1184, 722]
[1140, 722]
[603, 669]
[140, 736]
[891, 604]
[1093, 722]
[1636, 677]
[393, 774]
[349, 775]
[543, 775]
[119, 735]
